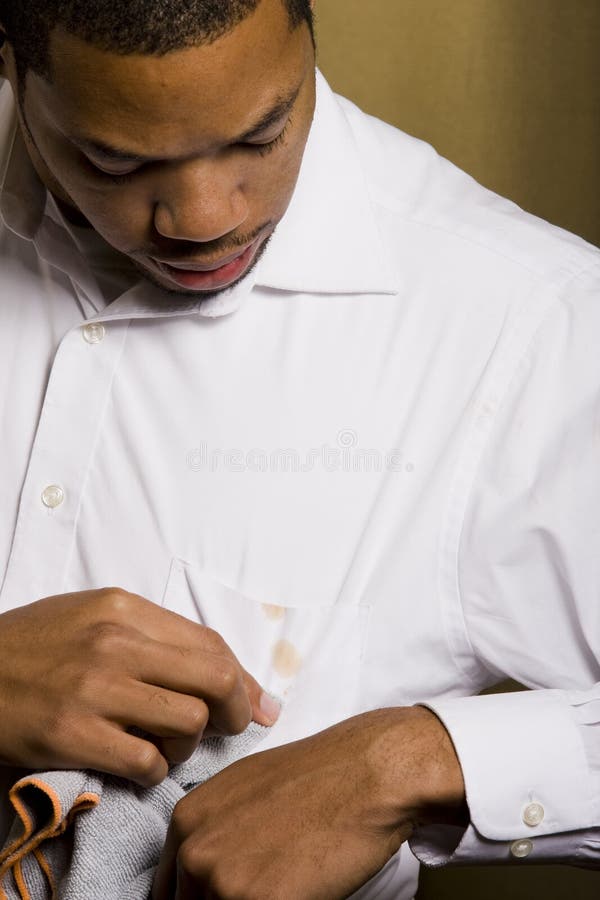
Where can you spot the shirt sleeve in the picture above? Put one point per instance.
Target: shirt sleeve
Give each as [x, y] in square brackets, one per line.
[528, 602]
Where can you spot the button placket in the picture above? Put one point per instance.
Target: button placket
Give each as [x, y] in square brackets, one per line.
[72, 414]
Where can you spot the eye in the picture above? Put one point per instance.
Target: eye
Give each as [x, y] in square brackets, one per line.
[269, 146]
[117, 176]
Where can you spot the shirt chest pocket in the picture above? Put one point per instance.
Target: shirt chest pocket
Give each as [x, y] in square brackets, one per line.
[310, 656]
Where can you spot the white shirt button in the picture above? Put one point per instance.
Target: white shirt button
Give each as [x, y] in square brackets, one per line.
[94, 332]
[53, 496]
[521, 849]
[533, 814]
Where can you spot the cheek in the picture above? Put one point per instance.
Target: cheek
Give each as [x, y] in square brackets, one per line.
[277, 180]
[122, 214]
[119, 215]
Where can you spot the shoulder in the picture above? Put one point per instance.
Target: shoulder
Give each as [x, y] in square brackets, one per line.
[424, 200]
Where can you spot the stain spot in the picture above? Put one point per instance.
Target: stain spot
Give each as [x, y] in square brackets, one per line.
[286, 659]
[275, 613]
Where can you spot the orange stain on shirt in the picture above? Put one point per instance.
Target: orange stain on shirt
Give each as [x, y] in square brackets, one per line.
[286, 659]
[275, 613]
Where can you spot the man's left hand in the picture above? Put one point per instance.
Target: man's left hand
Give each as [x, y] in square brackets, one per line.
[315, 819]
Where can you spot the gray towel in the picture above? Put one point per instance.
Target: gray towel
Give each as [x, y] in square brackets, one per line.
[80, 835]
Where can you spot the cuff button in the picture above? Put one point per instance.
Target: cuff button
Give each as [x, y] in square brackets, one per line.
[533, 814]
[521, 849]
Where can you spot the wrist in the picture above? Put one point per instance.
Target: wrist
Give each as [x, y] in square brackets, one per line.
[420, 774]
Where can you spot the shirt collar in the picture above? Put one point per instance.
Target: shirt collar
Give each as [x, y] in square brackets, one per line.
[329, 241]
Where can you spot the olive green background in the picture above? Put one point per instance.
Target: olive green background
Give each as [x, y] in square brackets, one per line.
[510, 91]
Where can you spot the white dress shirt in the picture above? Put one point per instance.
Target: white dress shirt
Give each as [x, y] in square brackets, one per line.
[372, 465]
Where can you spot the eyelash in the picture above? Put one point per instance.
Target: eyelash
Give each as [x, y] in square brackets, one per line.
[264, 149]
[261, 149]
[110, 176]
[120, 179]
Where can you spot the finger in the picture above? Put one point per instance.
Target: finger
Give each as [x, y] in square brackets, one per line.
[130, 703]
[177, 750]
[216, 679]
[165, 880]
[265, 709]
[212, 675]
[172, 881]
[166, 626]
[105, 747]
[162, 626]
[188, 887]
[178, 722]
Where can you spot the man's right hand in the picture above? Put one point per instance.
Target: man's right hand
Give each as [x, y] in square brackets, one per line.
[79, 671]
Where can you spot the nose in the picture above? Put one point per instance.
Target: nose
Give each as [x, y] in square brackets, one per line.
[199, 201]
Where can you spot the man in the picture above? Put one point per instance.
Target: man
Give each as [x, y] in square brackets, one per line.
[274, 367]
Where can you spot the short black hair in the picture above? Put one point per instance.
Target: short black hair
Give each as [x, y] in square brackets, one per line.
[152, 27]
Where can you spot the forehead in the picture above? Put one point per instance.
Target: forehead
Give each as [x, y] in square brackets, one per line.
[161, 103]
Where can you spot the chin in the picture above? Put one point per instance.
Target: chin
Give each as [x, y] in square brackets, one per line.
[173, 292]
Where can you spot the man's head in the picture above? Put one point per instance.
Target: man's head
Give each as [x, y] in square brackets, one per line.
[152, 27]
[175, 127]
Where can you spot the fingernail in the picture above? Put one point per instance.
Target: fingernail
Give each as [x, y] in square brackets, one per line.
[269, 707]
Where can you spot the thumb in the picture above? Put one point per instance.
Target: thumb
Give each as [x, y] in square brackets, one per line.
[265, 709]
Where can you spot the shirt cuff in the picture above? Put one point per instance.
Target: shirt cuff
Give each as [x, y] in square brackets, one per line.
[529, 786]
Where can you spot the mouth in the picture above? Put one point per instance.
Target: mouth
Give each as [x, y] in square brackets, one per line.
[217, 275]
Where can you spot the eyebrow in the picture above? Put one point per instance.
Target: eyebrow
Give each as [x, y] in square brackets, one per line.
[283, 106]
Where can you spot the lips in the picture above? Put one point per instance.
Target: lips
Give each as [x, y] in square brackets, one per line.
[217, 275]
[202, 267]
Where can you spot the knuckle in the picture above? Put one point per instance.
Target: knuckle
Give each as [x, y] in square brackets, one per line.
[214, 642]
[181, 822]
[144, 762]
[188, 856]
[198, 860]
[228, 678]
[240, 723]
[193, 719]
[115, 600]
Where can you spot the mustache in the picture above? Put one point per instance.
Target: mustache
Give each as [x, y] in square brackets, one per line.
[183, 251]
